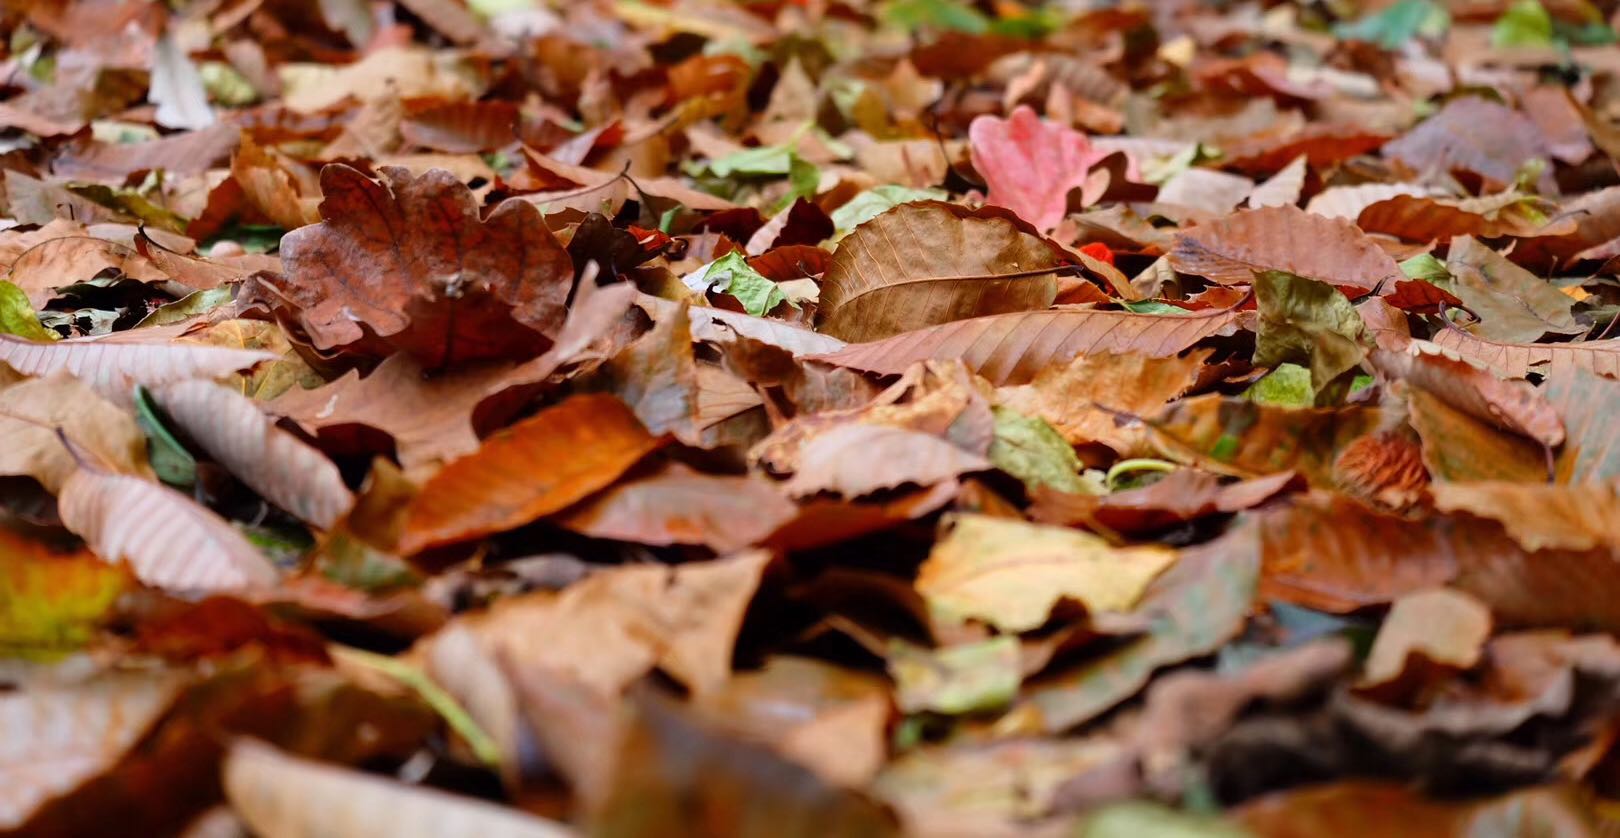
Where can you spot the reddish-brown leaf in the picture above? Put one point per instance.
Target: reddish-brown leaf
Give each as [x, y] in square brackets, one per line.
[1013, 348]
[1285, 238]
[681, 506]
[1517, 360]
[534, 468]
[411, 265]
[461, 127]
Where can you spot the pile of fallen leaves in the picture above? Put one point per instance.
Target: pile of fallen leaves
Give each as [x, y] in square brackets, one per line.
[809, 417]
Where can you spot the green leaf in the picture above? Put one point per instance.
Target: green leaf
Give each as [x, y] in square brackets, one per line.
[1309, 322]
[172, 462]
[1289, 385]
[52, 603]
[1427, 268]
[191, 305]
[969, 678]
[764, 161]
[875, 201]
[952, 15]
[1524, 24]
[1156, 307]
[1030, 449]
[730, 274]
[18, 318]
[804, 177]
[1397, 24]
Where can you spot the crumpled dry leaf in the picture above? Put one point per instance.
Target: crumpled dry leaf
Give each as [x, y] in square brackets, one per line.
[377, 270]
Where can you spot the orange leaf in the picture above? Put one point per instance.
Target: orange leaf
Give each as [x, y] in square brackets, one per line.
[534, 468]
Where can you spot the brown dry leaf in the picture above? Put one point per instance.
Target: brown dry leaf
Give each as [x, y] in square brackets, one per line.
[1427, 635]
[1010, 574]
[277, 794]
[53, 263]
[177, 155]
[1453, 140]
[1369, 808]
[856, 459]
[1348, 202]
[437, 418]
[461, 127]
[680, 506]
[694, 777]
[1518, 360]
[384, 260]
[169, 540]
[1241, 438]
[270, 185]
[534, 468]
[1385, 469]
[112, 365]
[1014, 348]
[1182, 495]
[1332, 553]
[616, 625]
[1585, 402]
[1511, 405]
[1513, 304]
[1540, 516]
[1424, 219]
[927, 263]
[273, 462]
[1459, 447]
[60, 735]
[825, 717]
[1084, 399]
[1231, 250]
[34, 412]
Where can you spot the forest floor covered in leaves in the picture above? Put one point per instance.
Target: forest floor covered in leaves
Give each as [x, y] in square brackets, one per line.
[809, 417]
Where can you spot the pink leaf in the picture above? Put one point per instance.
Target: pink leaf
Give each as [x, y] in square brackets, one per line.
[1030, 164]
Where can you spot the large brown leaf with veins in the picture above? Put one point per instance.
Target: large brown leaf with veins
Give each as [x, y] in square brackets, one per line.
[1287, 238]
[927, 263]
[1013, 348]
[407, 264]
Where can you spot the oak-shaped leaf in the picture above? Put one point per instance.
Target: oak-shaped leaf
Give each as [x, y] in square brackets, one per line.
[1031, 164]
[408, 264]
[926, 263]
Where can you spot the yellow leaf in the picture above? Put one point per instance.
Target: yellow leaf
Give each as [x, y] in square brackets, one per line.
[1010, 573]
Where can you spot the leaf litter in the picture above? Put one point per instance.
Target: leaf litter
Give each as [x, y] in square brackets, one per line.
[867, 417]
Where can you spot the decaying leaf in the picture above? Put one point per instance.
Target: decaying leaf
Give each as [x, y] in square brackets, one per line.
[1285, 239]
